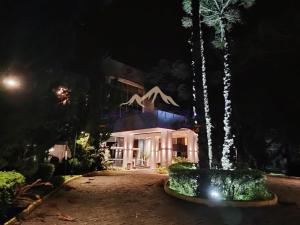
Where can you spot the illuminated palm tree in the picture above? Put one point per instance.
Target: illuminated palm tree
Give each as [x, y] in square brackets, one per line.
[193, 22]
[221, 15]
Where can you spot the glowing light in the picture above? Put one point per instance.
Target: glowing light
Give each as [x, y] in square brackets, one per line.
[63, 95]
[215, 195]
[11, 82]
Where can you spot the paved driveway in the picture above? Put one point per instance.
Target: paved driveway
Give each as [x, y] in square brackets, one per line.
[138, 198]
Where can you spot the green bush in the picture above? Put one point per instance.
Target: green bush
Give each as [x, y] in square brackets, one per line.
[75, 166]
[183, 178]
[182, 165]
[162, 170]
[9, 181]
[242, 185]
[184, 181]
[84, 165]
[45, 171]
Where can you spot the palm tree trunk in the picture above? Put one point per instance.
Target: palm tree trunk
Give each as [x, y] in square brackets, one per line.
[228, 145]
[200, 107]
[205, 99]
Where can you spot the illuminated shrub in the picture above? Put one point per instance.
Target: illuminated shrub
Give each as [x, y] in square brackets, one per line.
[182, 165]
[9, 181]
[242, 185]
[183, 178]
[162, 170]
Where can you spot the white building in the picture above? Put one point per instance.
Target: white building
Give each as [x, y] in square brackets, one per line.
[152, 147]
[144, 136]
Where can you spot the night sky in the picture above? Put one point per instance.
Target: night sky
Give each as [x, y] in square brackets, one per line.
[135, 32]
[43, 34]
[56, 32]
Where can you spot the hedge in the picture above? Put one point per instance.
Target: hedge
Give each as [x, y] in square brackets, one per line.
[183, 178]
[182, 166]
[242, 185]
[9, 181]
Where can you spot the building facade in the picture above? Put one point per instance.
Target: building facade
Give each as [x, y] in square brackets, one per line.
[143, 135]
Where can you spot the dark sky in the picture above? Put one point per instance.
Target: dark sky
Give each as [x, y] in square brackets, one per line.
[56, 32]
[137, 32]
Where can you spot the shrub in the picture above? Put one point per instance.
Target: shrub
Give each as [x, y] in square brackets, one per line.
[243, 185]
[182, 165]
[45, 171]
[183, 178]
[75, 166]
[184, 181]
[9, 182]
[162, 170]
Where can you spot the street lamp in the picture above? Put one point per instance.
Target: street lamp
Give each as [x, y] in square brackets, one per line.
[11, 82]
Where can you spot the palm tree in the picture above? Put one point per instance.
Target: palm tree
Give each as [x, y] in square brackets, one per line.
[221, 15]
[188, 22]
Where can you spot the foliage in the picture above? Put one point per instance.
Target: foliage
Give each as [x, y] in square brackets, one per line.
[243, 185]
[45, 171]
[91, 156]
[182, 166]
[19, 158]
[75, 166]
[83, 139]
[162, 170]
[39, 121]
[182, 178]
[221, 15]
[81, 166]
[9, 182]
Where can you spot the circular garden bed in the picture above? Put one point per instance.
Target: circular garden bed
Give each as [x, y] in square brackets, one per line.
[239, 188]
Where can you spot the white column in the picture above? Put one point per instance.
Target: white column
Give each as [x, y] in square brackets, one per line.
[166, 148]
[163, 148]
[128, 153]
[157, 150]
[169, 148]
[124, 156]
[153, 153]
[147, 151]
[196, 159]
[191, 147]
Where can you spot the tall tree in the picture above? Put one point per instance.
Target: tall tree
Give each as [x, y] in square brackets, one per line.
[193, 22]
[198, 86]
[221, 15]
